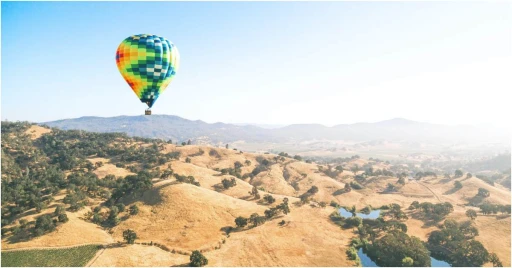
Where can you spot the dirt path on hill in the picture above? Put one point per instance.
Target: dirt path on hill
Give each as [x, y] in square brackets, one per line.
[429, 190]
[93, 259]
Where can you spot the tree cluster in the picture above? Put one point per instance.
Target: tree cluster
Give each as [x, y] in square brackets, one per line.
[187, 179]
[488, 208]
[455, 243]
[395, 212]
[228, 183]
[421, 175]
[197, 259]
[397, 247]
[431, 211]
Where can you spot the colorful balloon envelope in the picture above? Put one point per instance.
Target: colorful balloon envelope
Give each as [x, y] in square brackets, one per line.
[148, 63]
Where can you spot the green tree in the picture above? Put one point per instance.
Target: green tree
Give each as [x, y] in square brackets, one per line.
[458, 173]
[414, 205]
[166, 174]
[455, 242]
[347, 187]
[353, 222]
[133, 184]
[63, 217]
[15, 230]
[354, 169]
[44, 224]
[353, 210]
[247, 162]
[391, 187]
[495, 260]
[407, 262]
[471, 214]
[134, 210]
[241, 221]
[395, 246]
[183, 143]
[197, 259]
[121, 207]
[483, 192]
[304, 198]
[112, 219]
[254, 192]
[59, 210]
[270, 213]
[189, 142]
[269, 199]
[238, 165]
[23, 224]
[457, 185]
[96, 218]
[228, 183]
[284, 206]
[256, 219]
[129, 236]
[313, 190]
[470, 254]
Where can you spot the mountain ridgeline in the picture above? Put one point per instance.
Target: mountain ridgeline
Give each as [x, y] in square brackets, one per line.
[179, 129]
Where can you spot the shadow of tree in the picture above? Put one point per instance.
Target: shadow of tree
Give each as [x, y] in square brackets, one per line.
[263, 202]
[230, 229]
[339, 191]
[28, 213]
[451, 191]
[246, 198]
[219, 187]
[27, 233]
[445, 180]
[115, 245]
[502, 216]
[182, 265]
[149, 197]
[475, 201]
[427, 221]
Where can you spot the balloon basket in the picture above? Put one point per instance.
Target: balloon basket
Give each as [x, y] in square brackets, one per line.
[147, 112]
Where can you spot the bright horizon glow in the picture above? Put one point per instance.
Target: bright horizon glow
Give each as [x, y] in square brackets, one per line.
[272, 63]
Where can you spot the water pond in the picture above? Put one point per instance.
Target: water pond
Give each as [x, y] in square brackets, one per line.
[373, 214]
[365, 260]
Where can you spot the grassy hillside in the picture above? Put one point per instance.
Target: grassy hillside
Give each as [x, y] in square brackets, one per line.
[65, 188]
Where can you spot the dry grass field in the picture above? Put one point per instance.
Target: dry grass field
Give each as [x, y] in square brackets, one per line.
[36, 131]
[108, 169]
[137, 255]
[184, 217]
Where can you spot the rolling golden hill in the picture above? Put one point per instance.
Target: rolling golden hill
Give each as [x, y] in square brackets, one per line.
[183, 217]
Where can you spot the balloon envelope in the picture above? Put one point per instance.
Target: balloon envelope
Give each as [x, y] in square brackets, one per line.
[148, 63]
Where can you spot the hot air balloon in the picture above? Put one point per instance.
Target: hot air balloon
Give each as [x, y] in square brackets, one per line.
[148, 63]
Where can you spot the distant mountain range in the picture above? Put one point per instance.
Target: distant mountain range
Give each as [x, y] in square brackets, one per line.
[180, 129]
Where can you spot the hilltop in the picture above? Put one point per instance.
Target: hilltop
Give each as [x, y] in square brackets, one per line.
[397, 136]
[188, 197]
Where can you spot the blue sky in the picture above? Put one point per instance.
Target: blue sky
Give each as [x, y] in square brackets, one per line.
[265, 62]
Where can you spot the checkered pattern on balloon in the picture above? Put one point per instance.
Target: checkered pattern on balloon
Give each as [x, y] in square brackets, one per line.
[148, 63]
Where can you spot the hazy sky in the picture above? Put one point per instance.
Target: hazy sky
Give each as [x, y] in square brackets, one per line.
[269, 63]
